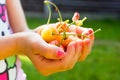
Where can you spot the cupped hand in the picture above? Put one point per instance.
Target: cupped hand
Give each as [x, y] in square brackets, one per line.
[49, 66]
[87, 37]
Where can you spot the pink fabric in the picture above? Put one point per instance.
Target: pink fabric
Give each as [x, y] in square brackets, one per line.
[3, 17]
[0, 9]
[3, 76]
[20, 73]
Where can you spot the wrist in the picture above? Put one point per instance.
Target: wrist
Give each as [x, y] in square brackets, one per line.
[22, 42]
[19, 40]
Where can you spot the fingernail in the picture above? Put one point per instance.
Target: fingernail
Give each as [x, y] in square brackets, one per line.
[60, 53]
[90, 31]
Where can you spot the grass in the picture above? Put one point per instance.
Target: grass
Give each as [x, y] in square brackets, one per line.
[110, 28]
[102, 64]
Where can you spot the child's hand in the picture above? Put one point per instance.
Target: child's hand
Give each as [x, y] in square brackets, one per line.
[47, 63]
[31, 43]
[50, 66]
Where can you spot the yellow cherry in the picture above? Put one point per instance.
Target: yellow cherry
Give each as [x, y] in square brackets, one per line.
[46, 34]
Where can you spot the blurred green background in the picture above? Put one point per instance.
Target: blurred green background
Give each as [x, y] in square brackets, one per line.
[102, 64]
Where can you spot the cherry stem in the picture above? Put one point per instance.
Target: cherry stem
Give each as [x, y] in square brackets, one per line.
[95, 31]
[77, 34]
[50, 12]
[84, 19]
[48, 2]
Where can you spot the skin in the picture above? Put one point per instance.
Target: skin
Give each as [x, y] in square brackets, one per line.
[28, 42]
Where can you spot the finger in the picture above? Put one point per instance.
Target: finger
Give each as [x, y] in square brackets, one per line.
[78, 47]
[86, 49]
[78, 51]
[77, 30]
[87, 43]
[70, 52]
[91, 34]
[53, 52]
[48, 51]
[80, 30]
[63, 64]
[76, 16]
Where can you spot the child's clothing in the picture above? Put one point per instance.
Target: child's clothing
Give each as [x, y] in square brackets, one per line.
[10, 68]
